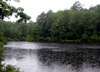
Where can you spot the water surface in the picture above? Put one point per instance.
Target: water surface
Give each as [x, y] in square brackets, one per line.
[52, 57]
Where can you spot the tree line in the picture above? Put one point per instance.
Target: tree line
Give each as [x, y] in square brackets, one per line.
[76, 24]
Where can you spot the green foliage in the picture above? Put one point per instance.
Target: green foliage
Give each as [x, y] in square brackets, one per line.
[76, 6]
[74, 25]
[95, 38]
[10, 68]
[84, 36]
[23, 17]
[71, 41]
[2, 41]
[5, 11]
[1, 51]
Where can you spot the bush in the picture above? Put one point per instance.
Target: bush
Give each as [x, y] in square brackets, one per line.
[1, 51]
[10, 68]
[71, 41]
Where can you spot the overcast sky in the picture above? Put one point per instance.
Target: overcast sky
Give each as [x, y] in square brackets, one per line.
[34, 7]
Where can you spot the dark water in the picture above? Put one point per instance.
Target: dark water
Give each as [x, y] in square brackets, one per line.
[52, 57]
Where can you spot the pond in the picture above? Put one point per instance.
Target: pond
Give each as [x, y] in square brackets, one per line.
[52, 57]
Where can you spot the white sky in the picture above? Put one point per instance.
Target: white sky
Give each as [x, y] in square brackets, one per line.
[34, 8]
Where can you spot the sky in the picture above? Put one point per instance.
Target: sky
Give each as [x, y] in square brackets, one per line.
[34, 8]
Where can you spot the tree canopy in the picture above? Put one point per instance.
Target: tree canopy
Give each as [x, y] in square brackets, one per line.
[7, 10]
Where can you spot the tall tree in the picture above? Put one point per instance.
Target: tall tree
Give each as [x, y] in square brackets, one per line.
[76, 6]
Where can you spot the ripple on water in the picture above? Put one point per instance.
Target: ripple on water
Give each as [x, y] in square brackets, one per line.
[52, 57]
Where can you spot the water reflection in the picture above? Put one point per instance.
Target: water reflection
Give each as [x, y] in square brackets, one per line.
[55, 58]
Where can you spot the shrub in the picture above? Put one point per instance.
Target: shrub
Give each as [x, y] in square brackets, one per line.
[10, 68]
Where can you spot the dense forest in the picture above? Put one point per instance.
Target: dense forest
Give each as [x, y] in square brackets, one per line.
[76, 24]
